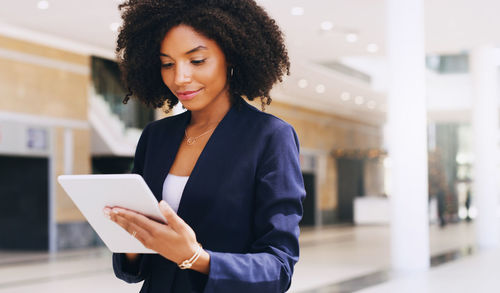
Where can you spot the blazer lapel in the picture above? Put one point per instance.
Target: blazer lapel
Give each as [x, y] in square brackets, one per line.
[170, 141]
[215, 149]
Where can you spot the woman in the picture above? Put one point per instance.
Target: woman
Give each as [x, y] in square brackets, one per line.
[227, 175]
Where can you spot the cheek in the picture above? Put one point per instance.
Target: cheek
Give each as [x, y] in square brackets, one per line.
[215, 75]
[167, 78]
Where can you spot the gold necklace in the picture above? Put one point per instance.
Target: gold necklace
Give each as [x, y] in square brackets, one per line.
[192, 140]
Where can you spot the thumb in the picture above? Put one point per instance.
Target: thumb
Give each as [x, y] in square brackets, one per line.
[172, 219]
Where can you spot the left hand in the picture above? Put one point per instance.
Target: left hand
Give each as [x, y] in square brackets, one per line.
[175, 241]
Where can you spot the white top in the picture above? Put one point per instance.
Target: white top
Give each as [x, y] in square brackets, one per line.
[172, 190]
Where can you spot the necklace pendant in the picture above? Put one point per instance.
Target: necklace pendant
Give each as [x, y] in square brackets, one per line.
[190, 141]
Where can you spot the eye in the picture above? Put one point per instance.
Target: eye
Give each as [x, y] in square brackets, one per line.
[198, 62]
[167, 65]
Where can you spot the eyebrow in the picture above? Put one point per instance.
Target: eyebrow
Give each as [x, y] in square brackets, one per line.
[188, 52]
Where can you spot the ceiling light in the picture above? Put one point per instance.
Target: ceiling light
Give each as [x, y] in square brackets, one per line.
[359, 100]
[345, 96]
[43, 5]
[326, 25]
[297, 11]
[320, 88]
[371, 104]
[351, 37]
[303, 83]
[372, 48]
[114, 26]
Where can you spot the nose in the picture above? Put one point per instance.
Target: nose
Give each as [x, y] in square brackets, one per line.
[182, 75]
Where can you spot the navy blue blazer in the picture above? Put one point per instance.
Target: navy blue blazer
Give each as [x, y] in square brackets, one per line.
[243, 199]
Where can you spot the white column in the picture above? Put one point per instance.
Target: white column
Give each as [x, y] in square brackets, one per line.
[485, 125]
[407, 138]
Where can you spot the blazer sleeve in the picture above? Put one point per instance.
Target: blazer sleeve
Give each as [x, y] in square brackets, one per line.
[268, 266]
[133, 272]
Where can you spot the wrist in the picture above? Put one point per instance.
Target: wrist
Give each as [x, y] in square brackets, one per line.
[188, 263]
[199, 260]
[202, 265]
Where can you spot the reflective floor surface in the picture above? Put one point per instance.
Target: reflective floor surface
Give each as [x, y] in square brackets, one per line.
[333, 259]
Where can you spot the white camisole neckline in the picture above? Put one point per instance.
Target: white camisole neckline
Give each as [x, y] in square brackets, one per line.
[173, 187]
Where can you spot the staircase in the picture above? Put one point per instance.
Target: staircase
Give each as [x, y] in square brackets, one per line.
[110, 136]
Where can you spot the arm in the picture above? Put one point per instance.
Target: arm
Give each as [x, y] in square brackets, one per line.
[130, 271]
[268, 266]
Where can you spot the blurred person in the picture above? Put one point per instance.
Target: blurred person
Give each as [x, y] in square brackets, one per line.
[227, 174]
[437, 184]
[468, 203]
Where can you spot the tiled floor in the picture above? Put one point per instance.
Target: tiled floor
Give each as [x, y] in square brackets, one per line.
[478, 273]
[334, 259]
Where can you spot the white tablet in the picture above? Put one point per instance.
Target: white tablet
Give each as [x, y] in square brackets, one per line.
[91, 193]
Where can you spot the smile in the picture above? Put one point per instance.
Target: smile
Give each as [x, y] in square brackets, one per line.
[187, 95]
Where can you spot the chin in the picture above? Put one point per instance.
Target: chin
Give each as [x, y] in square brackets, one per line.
[190, 105]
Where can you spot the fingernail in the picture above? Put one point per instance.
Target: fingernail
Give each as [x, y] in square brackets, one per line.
[163, 204]
[106, 213]
[115, 211]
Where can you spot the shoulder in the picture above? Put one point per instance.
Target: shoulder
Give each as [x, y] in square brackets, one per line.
[266, 121]
[271, 129]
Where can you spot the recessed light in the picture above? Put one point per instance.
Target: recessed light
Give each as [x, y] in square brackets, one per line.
[359, 100]
[371, 104]
[372, 48]
[326, 25]
[297, 11]
[114, 26]
[43, 5]
[303, 83]
[351, 37]
[345, 96]
[320, 88]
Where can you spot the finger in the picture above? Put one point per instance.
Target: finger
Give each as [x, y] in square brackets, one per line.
[136, 218]
[173, 219]
[136, 231]
[118, 219]
[107, 212]
[153, 228]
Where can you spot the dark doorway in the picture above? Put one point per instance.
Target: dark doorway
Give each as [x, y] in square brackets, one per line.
[350, 185]
[24, 203]
[309, 204]
[112, 165]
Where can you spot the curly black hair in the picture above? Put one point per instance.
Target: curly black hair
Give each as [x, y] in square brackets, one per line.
[251, 41]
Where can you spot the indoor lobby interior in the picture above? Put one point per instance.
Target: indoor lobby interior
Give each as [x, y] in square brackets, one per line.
[395, 104]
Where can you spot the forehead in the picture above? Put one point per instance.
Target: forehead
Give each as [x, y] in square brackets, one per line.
[182, 38]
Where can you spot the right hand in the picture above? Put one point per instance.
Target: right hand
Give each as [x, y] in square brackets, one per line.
[131, 257]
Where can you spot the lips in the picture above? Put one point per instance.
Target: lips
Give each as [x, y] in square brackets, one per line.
[187, 95]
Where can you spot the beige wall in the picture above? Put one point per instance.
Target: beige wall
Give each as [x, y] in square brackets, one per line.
[48, 82]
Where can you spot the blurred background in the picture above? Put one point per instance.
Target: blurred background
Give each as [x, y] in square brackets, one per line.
[395, 104]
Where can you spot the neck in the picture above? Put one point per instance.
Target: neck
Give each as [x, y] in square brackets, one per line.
[213, 113]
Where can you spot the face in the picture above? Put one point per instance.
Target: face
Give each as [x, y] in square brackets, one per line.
[194, 69]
